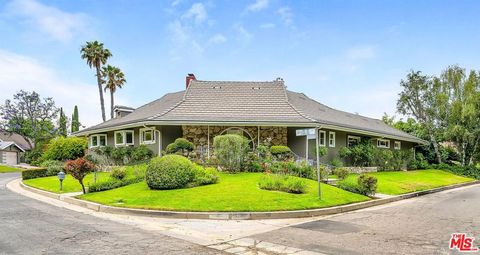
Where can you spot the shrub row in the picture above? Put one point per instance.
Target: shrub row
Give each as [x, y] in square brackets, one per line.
[467, 171]
[113, 183]
[120, 155]
[366, 185]
[283, 183]
[34, 173]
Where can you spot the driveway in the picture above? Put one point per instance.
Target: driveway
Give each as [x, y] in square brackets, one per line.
[31, 227]
[416, 226]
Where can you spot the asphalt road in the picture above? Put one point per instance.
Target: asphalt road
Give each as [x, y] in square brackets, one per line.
[31, 227]
[416, 226]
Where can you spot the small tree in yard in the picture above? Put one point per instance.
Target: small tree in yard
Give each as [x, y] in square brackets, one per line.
[230, 151]
[78, 169]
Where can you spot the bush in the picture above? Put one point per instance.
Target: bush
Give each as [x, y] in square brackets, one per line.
[367, 184]
[341, 173]
[418, 163]
[78, 169]
[336, 162]
[302, 169]
[322, 151]
[53, 167]
[231, 151]
[181, 145]
[141, 153]
[169, 172]
[361, 154]
[204, 176]
[121, 155]
[283, 183]
[112, 183]
[34, 173]
[467, 171]
[281, 152]
[384, 159]
[118, 173]
[65, 148]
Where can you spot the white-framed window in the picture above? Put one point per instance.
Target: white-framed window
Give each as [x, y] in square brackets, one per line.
[383, 143]
[98, 140]
[147, 136]
[397, 145]
[353, 140]
[123, 138]
[331, 139]
[322, 137]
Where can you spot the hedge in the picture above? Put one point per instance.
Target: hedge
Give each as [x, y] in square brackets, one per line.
[34, 173]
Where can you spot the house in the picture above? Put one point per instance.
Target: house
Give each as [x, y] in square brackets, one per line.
[12, 147]
[256, 110]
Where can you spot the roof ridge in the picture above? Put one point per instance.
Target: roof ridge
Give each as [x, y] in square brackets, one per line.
[294, 108]
[174, 106]
[204, 81]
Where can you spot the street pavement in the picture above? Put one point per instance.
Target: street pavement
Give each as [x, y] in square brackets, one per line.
[28, 226]
[421, 225]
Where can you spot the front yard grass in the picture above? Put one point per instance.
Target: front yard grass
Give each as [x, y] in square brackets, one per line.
[234, 192]
[399, 182]
[9, 169]
[70, 184]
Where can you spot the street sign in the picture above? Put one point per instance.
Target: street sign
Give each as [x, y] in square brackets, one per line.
[309, 132]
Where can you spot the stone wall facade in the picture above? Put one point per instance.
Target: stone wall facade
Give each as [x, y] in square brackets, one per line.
[361, 170]
[198, 135]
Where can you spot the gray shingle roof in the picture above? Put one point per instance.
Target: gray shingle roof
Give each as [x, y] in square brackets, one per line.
[16, 138]
[246, 102]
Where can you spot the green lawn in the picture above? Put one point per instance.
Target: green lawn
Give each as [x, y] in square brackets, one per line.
[8, 169]
[400, 182]
[70, 184]
[234, 192]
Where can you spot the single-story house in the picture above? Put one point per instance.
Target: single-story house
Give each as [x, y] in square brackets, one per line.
[256, 110]
[12, 147]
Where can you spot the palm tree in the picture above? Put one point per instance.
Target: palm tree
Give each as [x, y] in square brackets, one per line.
[96, 56]
[113, 78]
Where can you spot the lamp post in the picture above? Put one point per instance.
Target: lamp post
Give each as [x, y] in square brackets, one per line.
[61, 177]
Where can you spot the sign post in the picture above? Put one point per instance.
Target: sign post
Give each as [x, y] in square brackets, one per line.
[312, 133]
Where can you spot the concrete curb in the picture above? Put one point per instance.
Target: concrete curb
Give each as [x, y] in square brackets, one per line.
[238, 215]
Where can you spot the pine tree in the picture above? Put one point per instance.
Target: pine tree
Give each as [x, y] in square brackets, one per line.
[62, 125]
[75, 122]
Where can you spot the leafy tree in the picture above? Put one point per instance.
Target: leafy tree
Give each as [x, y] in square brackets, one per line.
[29, 116]
[78, 169]
[421, 98]
[461, 116]
[96, 56]
[62, 123]
[75, 122]
[113, 78]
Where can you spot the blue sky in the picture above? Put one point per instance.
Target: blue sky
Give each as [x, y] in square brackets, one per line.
[349, 55]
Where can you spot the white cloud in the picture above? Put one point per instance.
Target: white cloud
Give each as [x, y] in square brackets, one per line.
[286, 15]
[258, 5]
[21, 72]
[197, 12]
[243, 33]
[60, 25]
[175, 3]
[218, 39]
[267, 25]
[361, 52]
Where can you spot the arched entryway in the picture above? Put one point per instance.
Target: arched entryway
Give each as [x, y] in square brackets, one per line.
[240, 131]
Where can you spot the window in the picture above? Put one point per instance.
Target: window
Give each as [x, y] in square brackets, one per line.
[331, 139]
[353, 140]
[147, 136]
[383, 143]
[321, 138]
[124, 137]
[98, 140]
[397, 145]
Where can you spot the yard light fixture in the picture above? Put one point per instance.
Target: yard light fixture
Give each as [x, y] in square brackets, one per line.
[61, 177]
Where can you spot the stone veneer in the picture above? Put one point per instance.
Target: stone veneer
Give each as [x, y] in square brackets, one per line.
[199, 134]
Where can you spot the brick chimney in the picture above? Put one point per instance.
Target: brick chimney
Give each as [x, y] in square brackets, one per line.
[189, 77]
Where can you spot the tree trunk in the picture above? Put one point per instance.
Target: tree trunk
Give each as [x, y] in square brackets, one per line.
[83, 186]
[435, 148]
[100, 91]
[111, 104]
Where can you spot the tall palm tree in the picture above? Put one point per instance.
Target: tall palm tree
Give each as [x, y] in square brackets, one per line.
[113, 78]
[96, 56]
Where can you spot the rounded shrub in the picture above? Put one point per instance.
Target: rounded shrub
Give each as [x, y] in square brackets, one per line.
[231, 151]
[280, 149]
[118, 173]
[180, 145]
[341, 173]
[62, 148]
[169, 172]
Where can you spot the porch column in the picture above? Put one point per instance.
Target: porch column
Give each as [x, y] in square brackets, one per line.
[208, 141]
[319, 179]
[258, 136]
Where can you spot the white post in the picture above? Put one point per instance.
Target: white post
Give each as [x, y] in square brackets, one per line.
[258, 140]
[306, 147]
[318, 161]
[208, 141]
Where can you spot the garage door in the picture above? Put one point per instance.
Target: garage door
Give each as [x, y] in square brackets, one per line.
[10, 158]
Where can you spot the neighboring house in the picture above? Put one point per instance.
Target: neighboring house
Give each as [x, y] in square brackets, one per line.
[12, 147]
[256, 110]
